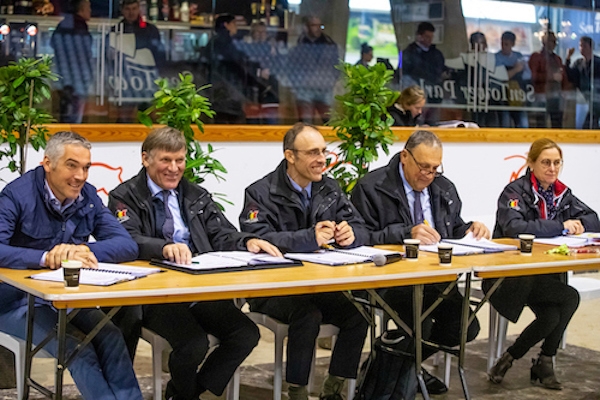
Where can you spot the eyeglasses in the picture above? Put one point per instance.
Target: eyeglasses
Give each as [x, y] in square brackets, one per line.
[547, 163]
[314, 153]
[427, 170]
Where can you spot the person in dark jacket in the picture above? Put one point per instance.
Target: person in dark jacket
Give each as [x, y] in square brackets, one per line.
[299, 210]
[407, 109]
[72, 44]
[424, 65]
[539, 204]
[48, 215]
[171, 218]
[584, 74]
[410, 198]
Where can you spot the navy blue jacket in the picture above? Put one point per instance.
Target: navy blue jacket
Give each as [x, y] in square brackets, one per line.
[30, 227]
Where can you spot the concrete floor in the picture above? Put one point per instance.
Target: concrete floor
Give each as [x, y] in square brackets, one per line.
[578, 366]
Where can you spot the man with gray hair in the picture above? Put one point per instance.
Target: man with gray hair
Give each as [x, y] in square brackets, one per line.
[410, 198]
[47, 215]
[171, 218]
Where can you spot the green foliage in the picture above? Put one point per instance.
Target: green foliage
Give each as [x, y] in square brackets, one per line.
[180, 107]
[361, 121]
[24, 85]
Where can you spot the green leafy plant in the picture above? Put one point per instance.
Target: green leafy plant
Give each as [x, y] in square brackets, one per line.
[361, 121]
[180, 107]
[24, 85]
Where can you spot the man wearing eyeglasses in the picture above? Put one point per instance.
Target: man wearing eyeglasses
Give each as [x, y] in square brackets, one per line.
[410, 198]
[299, 210]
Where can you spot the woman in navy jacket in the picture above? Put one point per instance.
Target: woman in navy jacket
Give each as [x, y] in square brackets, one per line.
[538, 203]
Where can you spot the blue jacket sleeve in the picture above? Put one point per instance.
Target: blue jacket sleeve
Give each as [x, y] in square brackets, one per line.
[13, 256]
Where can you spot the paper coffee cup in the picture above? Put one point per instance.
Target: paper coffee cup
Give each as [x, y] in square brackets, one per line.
[445, 253]
[71, 271]
[526, 242]
[411, 248]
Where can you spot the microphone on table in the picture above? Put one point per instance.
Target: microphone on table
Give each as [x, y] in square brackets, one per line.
[382, 259]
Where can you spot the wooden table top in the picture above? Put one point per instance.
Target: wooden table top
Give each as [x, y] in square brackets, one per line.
[512, 263]
[172, 286]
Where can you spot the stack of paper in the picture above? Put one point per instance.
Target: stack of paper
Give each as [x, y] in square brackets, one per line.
[221, 261]
[340, 256]
[470, 245]
[106, 274]
[584, 239]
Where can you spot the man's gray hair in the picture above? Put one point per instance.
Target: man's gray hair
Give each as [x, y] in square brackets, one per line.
[427, 138]
[166, 139]
[55, 147]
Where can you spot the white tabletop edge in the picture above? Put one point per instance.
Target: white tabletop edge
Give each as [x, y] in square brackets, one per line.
[528, 265]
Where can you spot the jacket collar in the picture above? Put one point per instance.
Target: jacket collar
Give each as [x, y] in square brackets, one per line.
[142, 194]
[281, 188]
[40, 183]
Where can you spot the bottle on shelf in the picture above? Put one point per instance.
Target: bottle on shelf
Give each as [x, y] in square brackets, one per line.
[10, 7]
[175, 11]
[273, 17]
[263, 12]
[23, 7]
[184, 11]
[165, 10]
[255, 14]
[153, 11]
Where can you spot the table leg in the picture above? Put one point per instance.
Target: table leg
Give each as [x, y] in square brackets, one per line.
[465, 321]
[61, 353]
[418, 336]
[28, 344]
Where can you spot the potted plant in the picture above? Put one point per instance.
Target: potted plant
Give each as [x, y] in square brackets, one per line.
[24, 86]
[180, 107]
[361, 121]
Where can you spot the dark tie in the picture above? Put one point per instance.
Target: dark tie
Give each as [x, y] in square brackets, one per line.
[418, 216]
[305, 199]
[168, 228]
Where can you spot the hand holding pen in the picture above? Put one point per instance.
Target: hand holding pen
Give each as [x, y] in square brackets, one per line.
[573, 227]
[324, 232]
[425, 233]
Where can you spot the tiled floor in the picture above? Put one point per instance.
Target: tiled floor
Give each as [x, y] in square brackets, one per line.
[578, 366]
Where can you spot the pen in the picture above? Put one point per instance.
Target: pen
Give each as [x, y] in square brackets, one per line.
[328, 245]
[565, 232]
[426, 222]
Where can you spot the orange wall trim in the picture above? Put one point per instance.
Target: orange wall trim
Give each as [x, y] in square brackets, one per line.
[275, 133]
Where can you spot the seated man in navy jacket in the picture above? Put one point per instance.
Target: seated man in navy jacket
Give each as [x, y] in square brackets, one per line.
[299, 210]
[48, 215]
[410, 198]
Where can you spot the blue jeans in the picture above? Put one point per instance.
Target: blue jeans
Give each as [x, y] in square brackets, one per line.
[102, 370]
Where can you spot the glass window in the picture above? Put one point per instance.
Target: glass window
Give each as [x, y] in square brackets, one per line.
[494, 63]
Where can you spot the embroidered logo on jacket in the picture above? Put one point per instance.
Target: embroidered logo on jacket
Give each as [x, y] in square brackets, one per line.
[252, 217]
[122, 215]
[514, 204]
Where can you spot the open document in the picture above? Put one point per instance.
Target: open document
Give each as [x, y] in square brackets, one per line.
[105, 275]
[470, 245]
[342, 256]
[223, 261]
[584, 239]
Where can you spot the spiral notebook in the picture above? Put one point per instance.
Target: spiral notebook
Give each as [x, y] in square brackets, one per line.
[106, 274]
